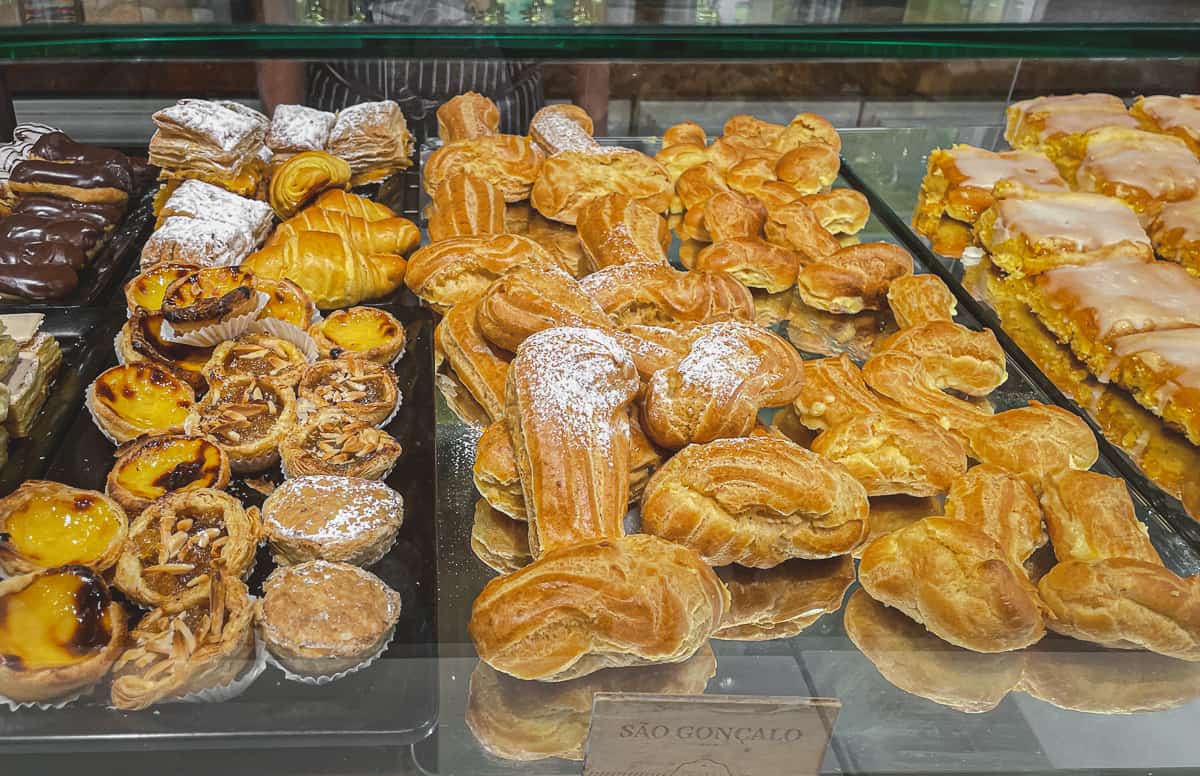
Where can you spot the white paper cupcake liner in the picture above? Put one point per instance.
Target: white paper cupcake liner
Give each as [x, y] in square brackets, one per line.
[256, 464]
[392, 415]
[89, 401]
[238, 686]
[289, 332]
[13, 705]
[215, 334]
[322, 680]
[117, 348]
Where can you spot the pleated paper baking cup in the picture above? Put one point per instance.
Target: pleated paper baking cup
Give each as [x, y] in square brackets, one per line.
[215, 334]
[288, 332]
[292, 676]
[14, 705]
[238, 686]
[117, 347]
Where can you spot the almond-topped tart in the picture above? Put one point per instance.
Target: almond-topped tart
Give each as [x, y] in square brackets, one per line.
[248, 418]
[156, 465]
[286, 302]
[178, 542]
[330, 442]
[256, 355]
[366, 332]
[129, 401]
[47, 524]
[60, 631]
[173, 653]
[326, 517]
[360, 389]
[321, 618]
[140, 341]
[146, 290]
[207, 297]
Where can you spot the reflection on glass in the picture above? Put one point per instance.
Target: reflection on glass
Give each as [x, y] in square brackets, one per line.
[891, 513]
[818, 332]
[1108, 681]
[780, 602]
[521, 720]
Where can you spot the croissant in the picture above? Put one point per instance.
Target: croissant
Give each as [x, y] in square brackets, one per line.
[328, 268]
[387, 235]
[353, 205]
[302, 177]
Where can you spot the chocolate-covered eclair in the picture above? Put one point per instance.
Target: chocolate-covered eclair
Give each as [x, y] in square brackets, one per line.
[58, 147]
[102, 214]
[26, 228]
[84, 181]
[37, 281]
[14, 252]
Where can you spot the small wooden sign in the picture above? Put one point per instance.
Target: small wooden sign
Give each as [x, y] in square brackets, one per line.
[707, 735]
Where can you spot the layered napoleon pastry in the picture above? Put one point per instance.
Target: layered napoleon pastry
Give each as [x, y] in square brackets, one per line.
[156, 465]
[128, 401]
[365, 332]
[324, 517]
[46, 524]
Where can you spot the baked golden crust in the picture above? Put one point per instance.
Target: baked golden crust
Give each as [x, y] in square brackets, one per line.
[146, 290]
[1178, 116]
[209, 296]
[362, 332]
[1142, 169]
[1176, 234]
[360, 389]
[456, 270]
[729, 215]
[329, 442]
[854, 278]
[1034, 442]
[248, 418]
[469, 115]
[684, 132]
[286, 302]
[140, 342]
[755, 501]
[840, 211]
[809, 167]
[1159, 369]
[891, 513]
[177, 544]
[567, 400]
[391, 235]
[614, 229]
[1001, 505]
[481, 367]
[732, 371]
[153, 466]
[509, 162]
[956, 581]
[173, 653]
[342, 519]
[530, 298]
[902, 378]
[320, 618]
[918, 662]
[796, 227]
[260, 356]
[755, 263]
[1104, 682]
[833, 392]
[781, 602]
[47, 658]
[698, 184]
[463, 206]
[916, 299]
[302, 177]
[1124, 603]
[643, 600]
[562, 127]
[498, 540]
[953, 356]
[571, 179]
[1090, 517]
[129, 401]
[47, 524]
[659, 295]
[893, 454]
[808, 128]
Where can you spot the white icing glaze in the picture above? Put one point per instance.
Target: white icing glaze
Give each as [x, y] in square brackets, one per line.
[1073, 113]
[1173, 354]
[1160, 165]
[1181, 215]
[1090, 221]
[1173, 112]
[984, 169]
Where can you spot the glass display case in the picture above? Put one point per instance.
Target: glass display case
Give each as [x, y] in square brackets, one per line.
[878, 85]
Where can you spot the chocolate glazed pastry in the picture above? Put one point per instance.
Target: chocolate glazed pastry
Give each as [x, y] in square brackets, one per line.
[57, 147]
[87, 181]
[32, 229]
[102, 214]
[15, 252]
[36, 281]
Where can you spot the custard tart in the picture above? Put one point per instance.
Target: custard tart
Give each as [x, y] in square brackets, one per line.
[286, 302]
[261, 356]
[60, 631]
[173, 653]
[146, 291]
[178, 542]
[205, 297]
[154, 466]
[321, 618]
[329, 442]
[326, 517]
[47, 524]
[248, 418]
[359, 389]
[135, 399]
[365, 332]
[141, 341]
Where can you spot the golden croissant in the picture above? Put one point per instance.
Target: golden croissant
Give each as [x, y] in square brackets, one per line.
[353, 205]
[387, 235]
[304, 176]
[326, 266]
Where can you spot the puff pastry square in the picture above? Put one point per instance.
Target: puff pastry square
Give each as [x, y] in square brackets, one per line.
[1056, 125]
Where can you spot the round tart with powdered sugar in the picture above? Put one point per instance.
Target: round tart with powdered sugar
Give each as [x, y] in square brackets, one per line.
[327, 517]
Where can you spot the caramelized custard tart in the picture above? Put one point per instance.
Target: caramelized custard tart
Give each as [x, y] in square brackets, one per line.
[256, 355]
[330, 442]
[141, 341]
[366, 332]
[146, 291]
[360, 389]
[47, 524]
[209, 296]
[129, 401]
[286, 302]
[248, 418]
[154, 466]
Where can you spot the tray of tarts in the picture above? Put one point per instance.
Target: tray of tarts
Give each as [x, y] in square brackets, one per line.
[182, 572]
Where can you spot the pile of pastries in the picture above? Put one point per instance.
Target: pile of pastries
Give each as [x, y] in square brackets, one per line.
[1105, 251]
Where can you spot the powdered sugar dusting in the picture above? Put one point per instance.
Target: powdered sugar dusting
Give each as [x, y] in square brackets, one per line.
[231, 132]
[197, 199]
[198, 241]
[296, 128]
[346, 507]
[370, 134]
[559, 133]
[719, 362]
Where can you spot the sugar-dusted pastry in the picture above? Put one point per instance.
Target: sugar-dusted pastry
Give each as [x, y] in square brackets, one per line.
[1123, 603]
[248, 417]
[563, 127]
[957, 582]
[178, 542]
[1035, 442]
[755, 501]
[321, 618]
[1027, 233]
[481, 367]
[342, 519]
[1109, 681]
[840, 211]
[145, 291]
[916, 299]
[1000, 504]
[140, 341]
[154, 466]
[467, 116]
[781, 602]
[854, 278]
[732, 371]
[1057, 125]
[47, 524]
[1142, 169]
[60, 633]
[363, 332]
[461, 268]
[1176, 234]
[298, 128]
[197, 242]
[614, 229]
[891, 454]
[953, 356]
[303, 177]
[128, 401]
[511, 163]
[642, 600]
[199, 200]
[498, 540]
[916, 661]
[1178, 116]
[329, 442]
[1090, 517]
[361, 390]
[374, 138]
[208, 141]
[833, 392]
[755, 263]
[571, 179]
[567, 409]
[533, 297]
[174, 652]
[465, 205]
[809, 167]
[655, 294]
[797, 227]
[329, 268]
[903, 378]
